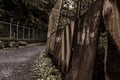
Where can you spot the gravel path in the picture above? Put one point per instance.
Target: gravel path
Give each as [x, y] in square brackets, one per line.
[15, 64]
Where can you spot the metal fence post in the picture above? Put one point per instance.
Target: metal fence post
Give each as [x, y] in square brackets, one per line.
[41, 35]
[11, 28]
[33, 33]
[23, 33]
[37, 34]
[29, 33]
[18, 29]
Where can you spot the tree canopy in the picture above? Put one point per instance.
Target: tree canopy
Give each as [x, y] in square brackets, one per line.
[33, 11]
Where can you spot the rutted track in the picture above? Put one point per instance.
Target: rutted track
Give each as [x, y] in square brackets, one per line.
[15, 64]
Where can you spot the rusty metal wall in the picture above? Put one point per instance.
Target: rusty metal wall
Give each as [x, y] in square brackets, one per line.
[111, 17]
[60, 37]
[60, 45]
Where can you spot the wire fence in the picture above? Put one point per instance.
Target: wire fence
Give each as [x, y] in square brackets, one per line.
[11, 31]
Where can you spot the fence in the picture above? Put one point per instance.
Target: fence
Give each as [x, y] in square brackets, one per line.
[11, 31]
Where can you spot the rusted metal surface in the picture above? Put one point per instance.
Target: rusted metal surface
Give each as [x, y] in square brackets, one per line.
[112, 61]
[73, 45]
[61, 38]
[63, 45]
[85, 50]
[111, 16]
[52, 27]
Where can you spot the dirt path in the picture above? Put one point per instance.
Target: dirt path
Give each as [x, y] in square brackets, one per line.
[15, 64]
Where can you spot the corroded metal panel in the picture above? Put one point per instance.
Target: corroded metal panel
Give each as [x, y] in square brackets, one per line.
[53, 24]
[111, 17]
[85, 49]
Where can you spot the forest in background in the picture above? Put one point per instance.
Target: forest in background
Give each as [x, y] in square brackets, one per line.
[33, 11]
